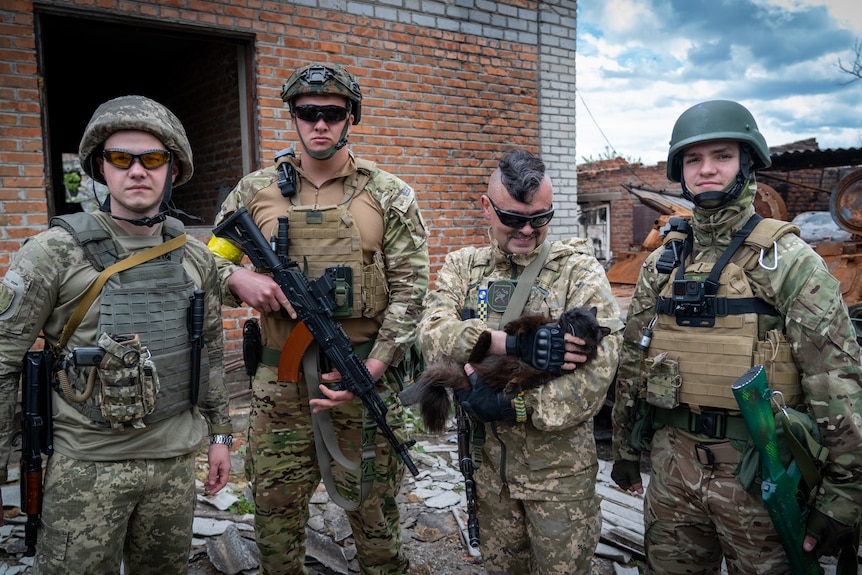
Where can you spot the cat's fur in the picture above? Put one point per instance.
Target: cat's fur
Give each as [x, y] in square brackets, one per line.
[500, 372]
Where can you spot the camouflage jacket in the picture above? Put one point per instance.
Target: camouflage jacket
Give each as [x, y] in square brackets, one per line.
[552, 456]
[817, 325]
[401, 243]
[55, 272]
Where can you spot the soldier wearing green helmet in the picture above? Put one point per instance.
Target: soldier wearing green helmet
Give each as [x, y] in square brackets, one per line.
[361, 225]
[727, 291]
[129, 307]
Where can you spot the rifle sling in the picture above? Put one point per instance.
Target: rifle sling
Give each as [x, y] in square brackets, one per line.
[122, 265]
[525, 283]
[326, 444]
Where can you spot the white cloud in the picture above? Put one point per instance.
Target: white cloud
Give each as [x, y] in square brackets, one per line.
[641, 63]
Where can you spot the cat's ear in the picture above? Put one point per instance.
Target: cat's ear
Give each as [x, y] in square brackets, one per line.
[595, 311]
[604, 331]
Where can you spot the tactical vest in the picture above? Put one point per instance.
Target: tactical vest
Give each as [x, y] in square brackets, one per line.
[700, 348]
[326, 239]
[151, 300]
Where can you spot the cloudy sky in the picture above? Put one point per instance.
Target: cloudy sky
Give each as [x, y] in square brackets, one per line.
[641, 63]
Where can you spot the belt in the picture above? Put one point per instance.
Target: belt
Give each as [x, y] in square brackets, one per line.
[271, 357]
[714, 424]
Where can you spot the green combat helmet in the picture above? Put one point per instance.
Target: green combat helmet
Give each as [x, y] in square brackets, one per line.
[328, 80]
[145, 115]
[718, 120]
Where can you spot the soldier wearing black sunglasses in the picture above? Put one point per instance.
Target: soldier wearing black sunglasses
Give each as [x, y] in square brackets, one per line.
[536, 484]
[362, 226]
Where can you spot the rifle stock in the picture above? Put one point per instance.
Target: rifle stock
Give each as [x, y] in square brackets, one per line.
[780, 485]
[465, 461]
[36, 438]
[314, 303]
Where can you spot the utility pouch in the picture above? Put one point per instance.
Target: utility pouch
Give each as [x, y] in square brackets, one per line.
[342, 277]
[251, 350]
[129, 381]
[643, 426]
[774, 353]
[662, 381]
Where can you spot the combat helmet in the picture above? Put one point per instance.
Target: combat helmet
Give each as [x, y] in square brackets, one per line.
[718, 120]
[330, 80]
[320, 79]
[146, 115]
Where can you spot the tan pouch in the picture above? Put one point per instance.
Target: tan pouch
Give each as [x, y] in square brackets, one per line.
[776, 356]
[663, 381]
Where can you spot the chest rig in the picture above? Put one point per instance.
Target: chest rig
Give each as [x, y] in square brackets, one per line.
[151, 303]
[328, 240]
[709, 326]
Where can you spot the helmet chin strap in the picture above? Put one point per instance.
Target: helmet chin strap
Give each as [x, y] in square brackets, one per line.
[716, 200]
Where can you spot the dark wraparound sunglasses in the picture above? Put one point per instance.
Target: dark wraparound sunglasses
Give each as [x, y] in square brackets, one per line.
[517, 221]
[330, 114]
[150, 159]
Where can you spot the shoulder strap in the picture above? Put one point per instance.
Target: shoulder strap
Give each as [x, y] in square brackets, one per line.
[121, 265]
[525, 283]
[763, 238]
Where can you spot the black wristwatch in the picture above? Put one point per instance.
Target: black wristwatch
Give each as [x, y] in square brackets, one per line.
[223, 439]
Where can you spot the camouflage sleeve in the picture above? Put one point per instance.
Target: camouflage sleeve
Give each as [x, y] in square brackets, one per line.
[442, 333]
[576, 397]
[229, 257]
[824, 341]
[27, 298]
[215, 407]
[405, 247]
[641, 312]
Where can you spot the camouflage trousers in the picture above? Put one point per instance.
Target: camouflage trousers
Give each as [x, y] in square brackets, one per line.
[525, 537]
[695, 514]
[96, 514]
[282, 466]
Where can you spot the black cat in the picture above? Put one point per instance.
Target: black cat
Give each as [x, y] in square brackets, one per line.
[500, 372]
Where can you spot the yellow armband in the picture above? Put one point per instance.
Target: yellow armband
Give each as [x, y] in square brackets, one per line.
[225, 249]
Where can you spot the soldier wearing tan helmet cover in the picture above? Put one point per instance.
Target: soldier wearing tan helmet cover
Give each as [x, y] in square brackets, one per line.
[784, 310]
[120, 485]
[343, 212]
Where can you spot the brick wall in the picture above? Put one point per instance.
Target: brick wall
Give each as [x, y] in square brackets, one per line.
[447, 87]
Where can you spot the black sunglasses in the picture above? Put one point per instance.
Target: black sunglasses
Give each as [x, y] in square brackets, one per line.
[517, 221]
[123, 159]
[312, 113]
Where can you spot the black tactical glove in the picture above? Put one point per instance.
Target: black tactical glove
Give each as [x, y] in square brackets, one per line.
[626, 473]
[544, 348]
[483, 403]
[832, 536]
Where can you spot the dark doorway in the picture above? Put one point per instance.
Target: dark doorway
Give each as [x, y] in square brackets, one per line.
[204, 78]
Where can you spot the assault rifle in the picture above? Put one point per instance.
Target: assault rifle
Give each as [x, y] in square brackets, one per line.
[780, 485]
[314, 302]
[465, 462]
[36, 438]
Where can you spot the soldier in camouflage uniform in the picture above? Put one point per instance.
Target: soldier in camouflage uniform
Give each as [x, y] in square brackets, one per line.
[120, 485]
[535, 488]
[679, 361]
[342, 212]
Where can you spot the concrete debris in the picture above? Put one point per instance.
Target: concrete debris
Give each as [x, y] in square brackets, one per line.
[232, 553]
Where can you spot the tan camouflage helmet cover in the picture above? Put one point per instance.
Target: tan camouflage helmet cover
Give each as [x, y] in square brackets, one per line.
[320, 79]
[135, 113]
